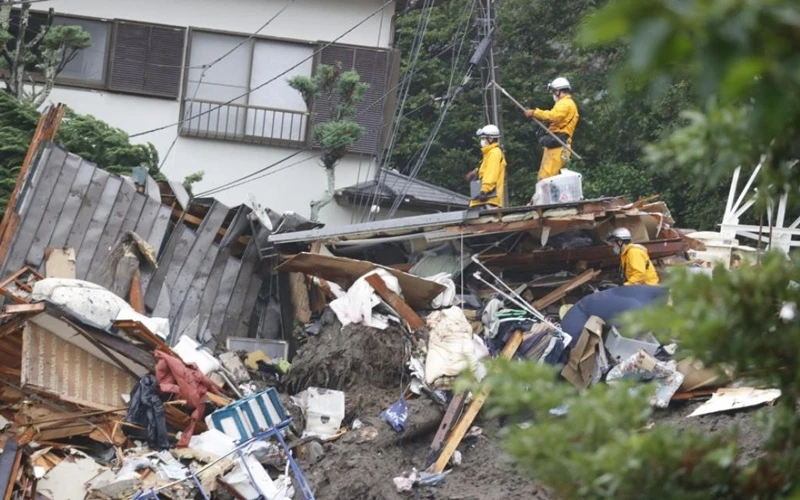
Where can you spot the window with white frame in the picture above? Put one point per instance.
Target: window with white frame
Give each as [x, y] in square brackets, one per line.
[226, 96]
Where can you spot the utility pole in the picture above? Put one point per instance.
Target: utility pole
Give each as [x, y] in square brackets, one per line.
[491, 96]
[493, 101]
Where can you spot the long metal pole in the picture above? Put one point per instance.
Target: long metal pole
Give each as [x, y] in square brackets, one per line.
[540, 124]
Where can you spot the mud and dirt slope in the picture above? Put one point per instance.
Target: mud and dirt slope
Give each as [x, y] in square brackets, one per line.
[368, 366]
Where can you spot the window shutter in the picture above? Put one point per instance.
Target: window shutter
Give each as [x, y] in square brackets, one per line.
[147, 59]
[372, 65]
[164, 61]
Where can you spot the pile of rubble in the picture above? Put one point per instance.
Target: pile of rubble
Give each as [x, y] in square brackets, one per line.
[159, 346]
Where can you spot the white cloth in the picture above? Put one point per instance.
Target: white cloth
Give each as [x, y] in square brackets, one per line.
[357, 304]
[451, 348]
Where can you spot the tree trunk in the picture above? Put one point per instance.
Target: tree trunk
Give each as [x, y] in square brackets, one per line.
[317, 205]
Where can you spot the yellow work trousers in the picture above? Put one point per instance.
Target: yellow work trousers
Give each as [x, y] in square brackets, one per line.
[553, 160]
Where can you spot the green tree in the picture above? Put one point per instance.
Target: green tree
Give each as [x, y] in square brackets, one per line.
[346, 90]
[741, 56]
[83, 135]
[25, 52]
[535, 43]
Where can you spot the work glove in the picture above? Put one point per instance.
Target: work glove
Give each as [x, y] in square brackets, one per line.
[471, 175]
[528, 113]
[483, 197]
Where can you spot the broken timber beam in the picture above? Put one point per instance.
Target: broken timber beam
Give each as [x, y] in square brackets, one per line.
[25, 308]
[397, 302]
[450, 416]
[564, 289]
[463, 425]
[136, 299]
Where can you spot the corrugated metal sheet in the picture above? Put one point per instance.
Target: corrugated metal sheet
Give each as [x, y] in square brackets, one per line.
[69, 202]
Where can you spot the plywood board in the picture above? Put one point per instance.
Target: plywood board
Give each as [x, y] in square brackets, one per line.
[417, 292]
[60, 263]
[55, 366]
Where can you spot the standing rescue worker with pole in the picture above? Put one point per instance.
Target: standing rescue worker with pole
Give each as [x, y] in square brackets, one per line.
[562, 119]
[635, 265]
[492, 172]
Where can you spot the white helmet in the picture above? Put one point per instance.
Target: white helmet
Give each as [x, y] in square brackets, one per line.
[488, 131]
[559, 83]
[621, 234]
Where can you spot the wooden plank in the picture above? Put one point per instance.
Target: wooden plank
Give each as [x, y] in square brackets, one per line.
[72, 204]
[564, 289]
[55, 205]
[136, 299]
[97, 225]
[191, 301]
[301, 302]
[418, 292]
[450, 416]
[223, 297]
[236, 302]
[36, 203]
[165, 260]
[25, 308]
[45, 131]
[205, 240]
[396, 302]
[463, 425]
[89, 203]
[211, 288]
[114, 222]
[239, 224]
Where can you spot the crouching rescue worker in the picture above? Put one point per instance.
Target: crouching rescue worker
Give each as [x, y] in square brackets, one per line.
[562, 120]
[635, 265]
[492, 172]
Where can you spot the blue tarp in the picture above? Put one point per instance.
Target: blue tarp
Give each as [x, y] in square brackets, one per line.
[608, 305]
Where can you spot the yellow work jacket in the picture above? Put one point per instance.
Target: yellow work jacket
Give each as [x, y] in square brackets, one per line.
[636, 266]
[562, 119]
[492, 174]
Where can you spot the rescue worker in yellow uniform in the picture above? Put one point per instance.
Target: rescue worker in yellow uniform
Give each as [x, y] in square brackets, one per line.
[562, 120]
[492, 172]
[635, 265]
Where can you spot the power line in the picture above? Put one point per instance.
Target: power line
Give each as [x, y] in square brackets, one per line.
[463, 24]
[416, 46]
[260, 86]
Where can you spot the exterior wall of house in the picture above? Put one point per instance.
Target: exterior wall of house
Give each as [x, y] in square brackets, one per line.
[289, 189]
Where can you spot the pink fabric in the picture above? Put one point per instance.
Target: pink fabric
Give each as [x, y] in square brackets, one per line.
[186, 382]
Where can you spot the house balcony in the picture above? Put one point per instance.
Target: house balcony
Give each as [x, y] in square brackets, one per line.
[244, 123]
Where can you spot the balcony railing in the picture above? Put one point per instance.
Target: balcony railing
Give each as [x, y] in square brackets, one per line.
[243, 123]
